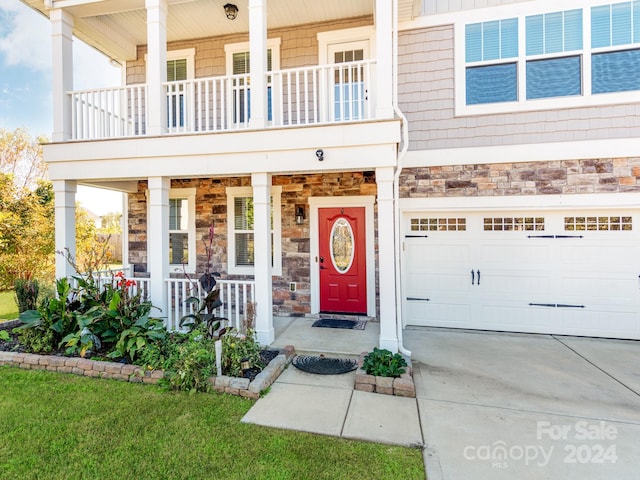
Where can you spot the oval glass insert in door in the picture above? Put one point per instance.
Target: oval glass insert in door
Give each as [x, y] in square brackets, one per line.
[342, 245]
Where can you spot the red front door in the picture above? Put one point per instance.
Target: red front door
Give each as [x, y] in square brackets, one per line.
[342, 262]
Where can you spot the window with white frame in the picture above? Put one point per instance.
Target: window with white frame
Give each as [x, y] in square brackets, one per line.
[241, 245]
[180, 68]
[239, 65]
[615, 63]
[491, 53]
[550, 59]
[182, 229]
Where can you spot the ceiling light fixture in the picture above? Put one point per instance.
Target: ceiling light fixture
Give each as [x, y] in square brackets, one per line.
[231, 11]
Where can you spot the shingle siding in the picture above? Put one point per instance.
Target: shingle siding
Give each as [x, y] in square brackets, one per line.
[426, 96]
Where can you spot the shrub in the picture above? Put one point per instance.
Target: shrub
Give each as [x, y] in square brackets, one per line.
[191, 364]
[26, 294]
[235, 348]
[383, 363]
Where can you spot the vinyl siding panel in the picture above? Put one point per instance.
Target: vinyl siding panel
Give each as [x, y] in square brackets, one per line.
[434, 7]
[426, 96]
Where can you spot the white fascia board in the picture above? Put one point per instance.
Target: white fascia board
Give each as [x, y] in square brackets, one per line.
[227, 164]
[592, 201]
[536, 152]
[346, 147]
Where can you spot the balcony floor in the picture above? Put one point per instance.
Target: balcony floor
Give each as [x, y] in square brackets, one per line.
[297, 331]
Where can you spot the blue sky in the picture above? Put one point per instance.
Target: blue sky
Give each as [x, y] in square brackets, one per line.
[25, 82]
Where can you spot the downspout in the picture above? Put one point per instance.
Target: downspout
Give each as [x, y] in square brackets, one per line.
[396, 184]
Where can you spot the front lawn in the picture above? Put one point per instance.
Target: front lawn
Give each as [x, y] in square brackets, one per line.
[8, 307]
[61, 426]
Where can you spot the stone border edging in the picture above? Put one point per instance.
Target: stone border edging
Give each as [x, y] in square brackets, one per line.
[136, 374]
[9, 324]
[400, 387]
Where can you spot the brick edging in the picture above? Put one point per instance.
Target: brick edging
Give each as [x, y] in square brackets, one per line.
[402, 386]
[9, 324]
[136, 374]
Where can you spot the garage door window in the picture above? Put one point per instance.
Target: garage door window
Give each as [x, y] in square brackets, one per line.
[513, 224]
[438, 224]
[573, 224]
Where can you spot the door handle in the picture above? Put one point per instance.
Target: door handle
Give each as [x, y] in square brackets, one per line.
[478, 272]
[473, 277]
[322, 267]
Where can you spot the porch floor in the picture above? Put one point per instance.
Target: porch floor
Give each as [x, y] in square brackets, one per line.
[297, 331]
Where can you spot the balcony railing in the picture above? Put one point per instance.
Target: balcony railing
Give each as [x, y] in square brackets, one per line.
[301, 96]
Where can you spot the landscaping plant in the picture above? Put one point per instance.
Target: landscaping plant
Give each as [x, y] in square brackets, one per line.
[237, 347]
[26, 294]
[383, 363]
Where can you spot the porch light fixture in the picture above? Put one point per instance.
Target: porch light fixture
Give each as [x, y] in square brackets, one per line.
[299, 214]
[320, 154]
[231, 11]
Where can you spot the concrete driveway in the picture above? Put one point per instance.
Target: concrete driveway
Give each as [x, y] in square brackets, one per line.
[510, 406]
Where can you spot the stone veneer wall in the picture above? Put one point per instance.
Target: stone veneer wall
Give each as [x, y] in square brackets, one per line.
[602, 175]
[211, 206]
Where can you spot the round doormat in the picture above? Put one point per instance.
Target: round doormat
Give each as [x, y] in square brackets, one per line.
[324, 365]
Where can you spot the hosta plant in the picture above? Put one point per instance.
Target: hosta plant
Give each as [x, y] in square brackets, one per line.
[383, 363]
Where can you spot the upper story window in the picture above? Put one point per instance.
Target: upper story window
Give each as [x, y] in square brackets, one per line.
[554, 44]
[239, 64]
[547, 60]
[615, 62]
[491, 52]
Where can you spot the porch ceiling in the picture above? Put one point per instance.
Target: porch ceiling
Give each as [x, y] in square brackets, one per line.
[116, 27]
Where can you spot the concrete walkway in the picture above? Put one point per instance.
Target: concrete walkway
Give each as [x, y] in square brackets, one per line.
[489, 405]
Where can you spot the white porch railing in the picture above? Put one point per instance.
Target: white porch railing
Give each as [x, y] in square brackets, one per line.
[301, 96]
[108, 112]
[234, 295]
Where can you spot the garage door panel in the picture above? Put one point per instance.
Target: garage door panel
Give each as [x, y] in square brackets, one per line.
[518, 317]
[602, 321]
[508, 284]
[438, 283]
[444, 314]
[556, 261]
[612, 257]
[604, 287]
[427, 254]
[525, 256]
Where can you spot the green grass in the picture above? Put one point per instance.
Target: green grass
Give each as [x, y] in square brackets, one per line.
[58, 426]
[8, 307]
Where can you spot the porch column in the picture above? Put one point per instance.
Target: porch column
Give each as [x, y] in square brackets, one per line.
[386, 259]
[158, 240]
[156, 66]
[62, 50]
[384, 68]
[261, 183]
[65, 225]
[258, 55]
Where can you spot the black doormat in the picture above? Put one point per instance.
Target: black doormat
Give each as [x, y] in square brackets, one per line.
[339, 323]
[324, 365]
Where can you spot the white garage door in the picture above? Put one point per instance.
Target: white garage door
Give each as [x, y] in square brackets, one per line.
[569, 272]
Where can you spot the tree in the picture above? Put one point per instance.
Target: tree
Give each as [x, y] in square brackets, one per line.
[111, 223]
[21, 157]
[26, 232]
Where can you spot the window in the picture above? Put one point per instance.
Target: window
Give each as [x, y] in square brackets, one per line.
[547, 60]
[180, 68]
[491, 51]
[552, 73]
[614, 27]
[182, 223]
[176, 72]
[349, 85]
[241, 249]
[239, 63]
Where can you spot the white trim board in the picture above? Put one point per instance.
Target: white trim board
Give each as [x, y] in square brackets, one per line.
[533, 152]
[366, 201]
[528, 202]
